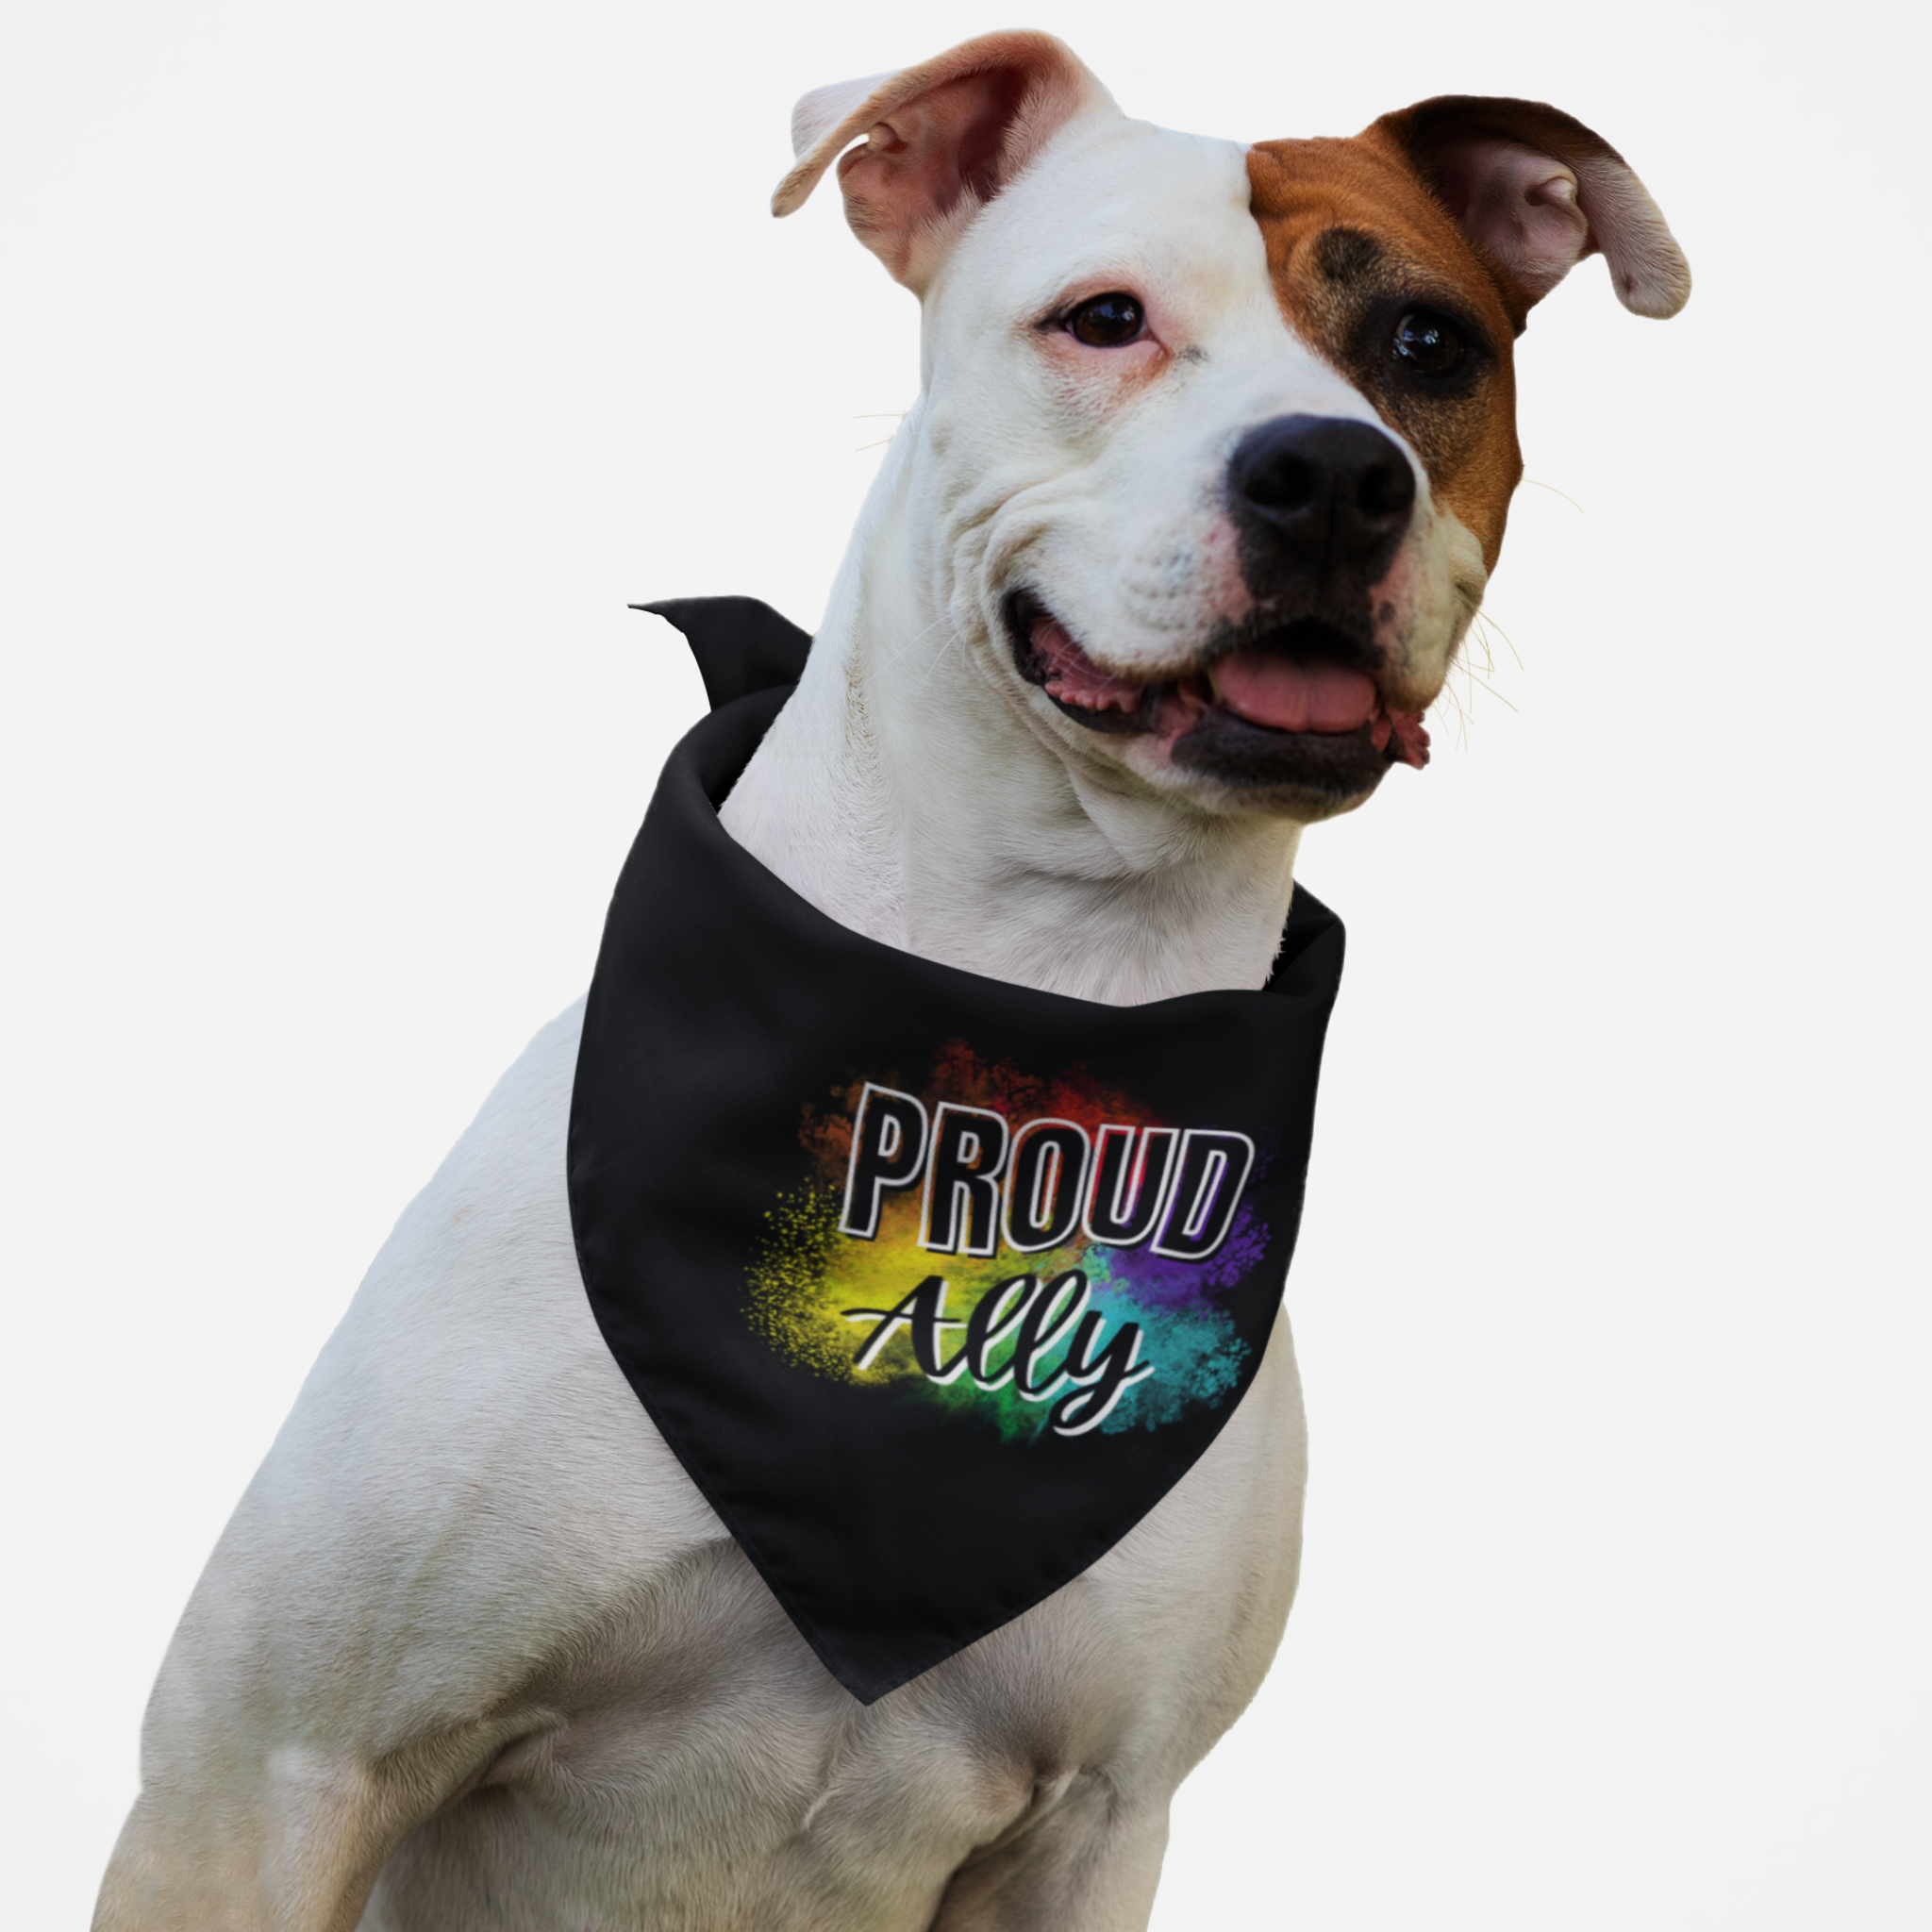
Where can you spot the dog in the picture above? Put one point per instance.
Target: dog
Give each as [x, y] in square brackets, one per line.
[1212, 461]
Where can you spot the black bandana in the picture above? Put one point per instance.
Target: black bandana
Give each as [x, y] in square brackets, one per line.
[935, 1284]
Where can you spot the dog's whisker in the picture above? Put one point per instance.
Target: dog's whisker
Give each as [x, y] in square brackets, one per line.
[913, 641]
[1460, 698]
[1475, 677]
[1454, 698]
[1490, 624]
[952, 638]
[895, 416]
[1555, 492]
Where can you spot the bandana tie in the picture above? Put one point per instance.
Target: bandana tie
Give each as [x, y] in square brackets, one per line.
[934, 1284]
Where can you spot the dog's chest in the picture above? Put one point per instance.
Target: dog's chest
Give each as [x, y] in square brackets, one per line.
[678, 1742]
[705, 1773]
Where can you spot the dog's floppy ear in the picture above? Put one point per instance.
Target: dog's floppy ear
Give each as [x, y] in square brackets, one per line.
[944, 137]
[1536, 191]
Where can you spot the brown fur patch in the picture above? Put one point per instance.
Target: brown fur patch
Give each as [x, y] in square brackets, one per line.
[1356, 240]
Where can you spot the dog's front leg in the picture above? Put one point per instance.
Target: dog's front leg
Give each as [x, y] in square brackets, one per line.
[344, 1671]
[466, 1492]
[289, 1841]
[261, 1807]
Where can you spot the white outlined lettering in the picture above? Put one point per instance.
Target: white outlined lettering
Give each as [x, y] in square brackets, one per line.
[1046, 1182]
[1100, 1380]
[923, 1312]
[1047, 1319]
[1214, 1167]
[888, 1144]
[961, 1212]
[1132, 1167]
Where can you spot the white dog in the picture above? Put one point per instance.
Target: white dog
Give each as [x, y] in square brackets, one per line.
[1211, 461]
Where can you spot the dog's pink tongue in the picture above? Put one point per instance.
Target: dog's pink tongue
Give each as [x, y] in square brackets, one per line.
[1267, 688]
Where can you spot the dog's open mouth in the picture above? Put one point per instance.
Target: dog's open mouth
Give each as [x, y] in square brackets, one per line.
[1292, 706]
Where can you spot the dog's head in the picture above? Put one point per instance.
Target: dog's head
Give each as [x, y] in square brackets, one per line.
[1217, 444]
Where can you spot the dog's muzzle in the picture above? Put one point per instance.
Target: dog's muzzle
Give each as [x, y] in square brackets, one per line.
[1290, 700]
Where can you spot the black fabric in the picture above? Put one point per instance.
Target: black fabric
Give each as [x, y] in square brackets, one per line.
[740, 644]
[922, 1392]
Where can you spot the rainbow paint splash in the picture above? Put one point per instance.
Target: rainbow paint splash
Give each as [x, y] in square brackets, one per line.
[945, 1242]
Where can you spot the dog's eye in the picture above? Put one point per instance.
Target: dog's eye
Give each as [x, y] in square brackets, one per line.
[1427, 343]
[1106, 321]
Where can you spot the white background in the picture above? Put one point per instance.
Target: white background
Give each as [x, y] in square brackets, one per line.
[361, 361]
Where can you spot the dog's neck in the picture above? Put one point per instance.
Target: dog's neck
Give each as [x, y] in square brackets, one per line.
[904, 796]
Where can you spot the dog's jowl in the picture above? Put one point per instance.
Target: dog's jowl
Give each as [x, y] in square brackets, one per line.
[823, 1452]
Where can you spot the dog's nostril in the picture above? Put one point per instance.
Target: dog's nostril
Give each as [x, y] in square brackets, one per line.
[1387, 488]
[1281, 480]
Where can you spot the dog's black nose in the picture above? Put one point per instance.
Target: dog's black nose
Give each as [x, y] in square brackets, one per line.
[1323, 493]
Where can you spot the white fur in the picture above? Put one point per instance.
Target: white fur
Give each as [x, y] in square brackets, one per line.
[474, 1652]
[917, 788]
[470, 1564]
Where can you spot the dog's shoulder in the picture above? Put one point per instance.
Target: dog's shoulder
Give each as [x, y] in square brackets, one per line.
[469, 1361]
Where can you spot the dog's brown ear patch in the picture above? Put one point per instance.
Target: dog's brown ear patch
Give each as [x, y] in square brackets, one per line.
[943, 139]
[1536, 191]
